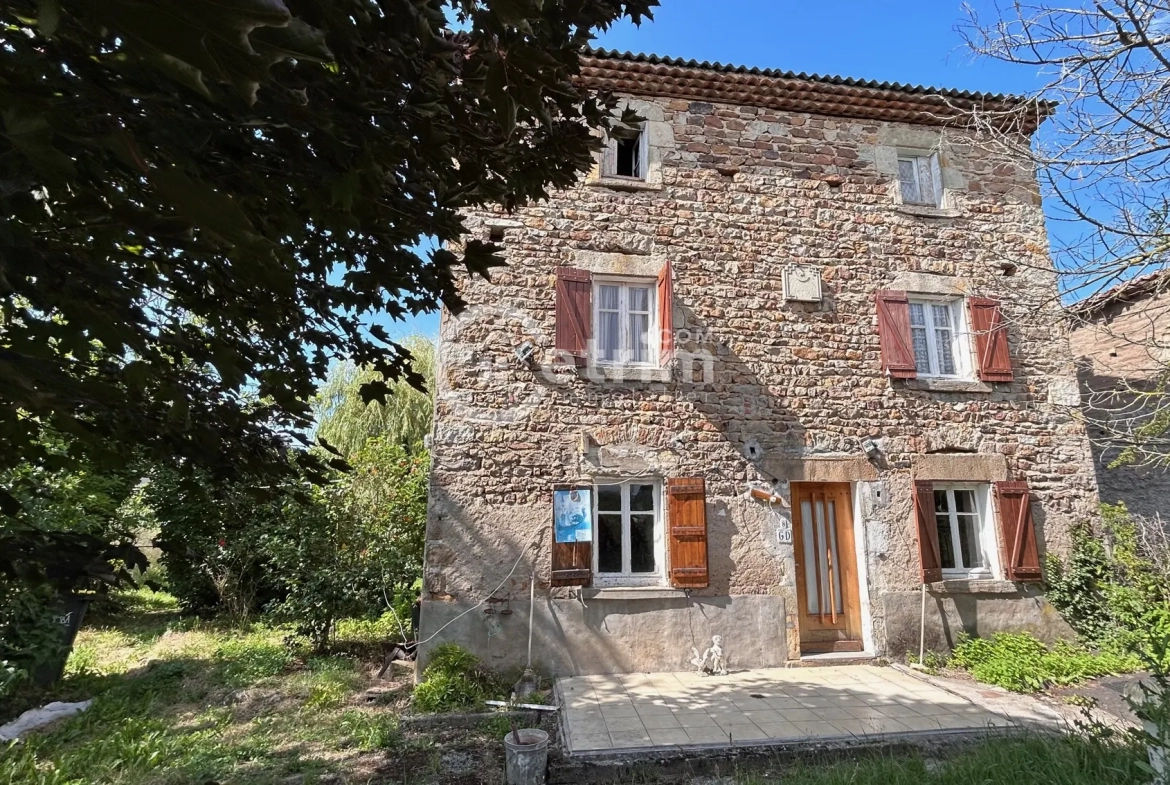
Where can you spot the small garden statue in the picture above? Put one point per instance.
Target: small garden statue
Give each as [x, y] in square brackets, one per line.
[712, 660]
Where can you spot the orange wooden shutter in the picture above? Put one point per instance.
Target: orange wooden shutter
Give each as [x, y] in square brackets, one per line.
[928, 550]
[572, 562]
[666, 312]
[991, 340]
[687, 513]
[1021, 556]
[574, 312]
[893, 310]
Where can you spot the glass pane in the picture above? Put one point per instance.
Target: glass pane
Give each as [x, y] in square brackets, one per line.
[908, 178]
[917, 315]
[609, 543]
[608, 335]
[609, 498]
[809, 549]
[942, 517]
[639, 346]
[822, 550]
[965, 501]
[969, 545]
[926, 192]
[639, 298]
[941, 316]
[641, 543]
[941, 506]
[921, 350]
[839, 608]
[946, 356]
[607, 297]
[642, 498]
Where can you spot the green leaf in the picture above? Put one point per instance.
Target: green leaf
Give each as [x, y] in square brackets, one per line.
[48, 16]
[297, 40]
[206, 207]
[375, 390]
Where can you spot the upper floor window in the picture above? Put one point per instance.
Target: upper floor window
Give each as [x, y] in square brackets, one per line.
[624, 322]
[625, 153]
[920, 179]
[629, 548]
[934, 331]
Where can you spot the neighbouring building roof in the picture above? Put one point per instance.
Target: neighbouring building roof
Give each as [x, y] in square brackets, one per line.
[1124, 292]
[643, 74]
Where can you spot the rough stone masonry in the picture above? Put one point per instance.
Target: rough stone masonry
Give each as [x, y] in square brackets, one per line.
[733, 193]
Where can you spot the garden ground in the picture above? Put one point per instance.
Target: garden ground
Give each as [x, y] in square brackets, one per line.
[180, 700]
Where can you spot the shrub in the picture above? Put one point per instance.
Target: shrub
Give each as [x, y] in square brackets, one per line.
[1021, 663]
[455, 679]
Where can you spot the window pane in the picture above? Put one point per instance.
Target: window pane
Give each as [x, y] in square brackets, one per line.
[642, 498]
[940, 503]
[608, 336]
[908, 178]
[639, 298]
[926, 192]
[639, 345]
[969, 547]
[628, 149]
[921, 350]
[917, 314]
[609, 498]
[641, 543]
[965, 502]
[946, 355]
[941, 316]
[609, 543]
[607, 297]
[942, 516]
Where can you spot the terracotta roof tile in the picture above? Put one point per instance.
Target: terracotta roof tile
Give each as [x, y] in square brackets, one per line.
[641, 74]
[1126, 291]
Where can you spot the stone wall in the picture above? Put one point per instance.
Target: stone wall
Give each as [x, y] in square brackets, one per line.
[741, 193]
[1119, 351]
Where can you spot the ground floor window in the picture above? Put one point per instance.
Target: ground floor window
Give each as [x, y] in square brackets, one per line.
[629, 547]
[966, 536]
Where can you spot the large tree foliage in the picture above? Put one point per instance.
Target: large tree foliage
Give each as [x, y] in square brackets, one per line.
[346, 420]
[1104, 161]
[205, 203]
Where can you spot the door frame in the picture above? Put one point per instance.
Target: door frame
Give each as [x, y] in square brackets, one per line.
[848, 632]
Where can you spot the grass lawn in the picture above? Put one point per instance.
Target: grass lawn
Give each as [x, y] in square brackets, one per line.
[180, 700]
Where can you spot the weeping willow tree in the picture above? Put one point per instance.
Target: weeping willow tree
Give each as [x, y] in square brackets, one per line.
[346, 421]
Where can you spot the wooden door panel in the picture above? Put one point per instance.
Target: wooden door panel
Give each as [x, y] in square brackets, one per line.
[826, 567]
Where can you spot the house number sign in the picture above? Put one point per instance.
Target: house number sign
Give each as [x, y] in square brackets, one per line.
[783, 526]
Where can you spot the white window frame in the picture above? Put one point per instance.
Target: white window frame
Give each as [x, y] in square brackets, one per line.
[625, 345]
[626, 578]
[922, 161]
[609, 155]
[960, 337]
[986, 530]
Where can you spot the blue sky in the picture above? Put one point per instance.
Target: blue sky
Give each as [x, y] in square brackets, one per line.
[892, 40]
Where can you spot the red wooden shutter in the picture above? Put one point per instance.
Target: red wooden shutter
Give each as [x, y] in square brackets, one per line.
[666, 312]
[1021, 556]
[928, 551]
[687, 514]
[893, 310]
[991, 340]
[574, 312]
[572, 562]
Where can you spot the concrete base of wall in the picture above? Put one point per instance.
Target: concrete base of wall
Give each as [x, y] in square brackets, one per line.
[978, 614]
[615, 635]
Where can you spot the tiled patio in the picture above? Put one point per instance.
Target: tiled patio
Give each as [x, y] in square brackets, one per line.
[627, 713]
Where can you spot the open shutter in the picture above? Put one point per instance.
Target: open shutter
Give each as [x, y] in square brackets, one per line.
[1021, 556]
[666, 312]
[991, 340]
[572, 562]
[893, 309]
[687, 514]
[927, 526]
[574, 312]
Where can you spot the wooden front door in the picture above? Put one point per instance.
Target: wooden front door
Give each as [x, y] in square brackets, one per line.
[826, 568]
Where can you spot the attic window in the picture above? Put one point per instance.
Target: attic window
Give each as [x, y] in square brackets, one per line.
[625, 155]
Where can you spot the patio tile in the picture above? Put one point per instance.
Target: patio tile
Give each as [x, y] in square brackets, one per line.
[589, 741]
[745, 733]
[696, 720]
[817, 728]
[620, 724]
[625, 740]
[712, 735]
[763, 716]
[619, 710]
[660, 721]
[781, 730]
[669, 736]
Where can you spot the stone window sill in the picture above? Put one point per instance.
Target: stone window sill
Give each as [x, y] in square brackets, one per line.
[634, 593]
[926, 211]
[628, 374]
[623, 184]
[973, 586]
[949, 385]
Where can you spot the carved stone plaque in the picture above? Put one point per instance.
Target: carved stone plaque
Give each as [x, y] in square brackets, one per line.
[802, 283]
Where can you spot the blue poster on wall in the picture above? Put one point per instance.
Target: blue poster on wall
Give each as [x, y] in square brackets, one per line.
[573, 514]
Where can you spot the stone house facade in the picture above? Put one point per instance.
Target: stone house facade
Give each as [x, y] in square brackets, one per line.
[1120, 340]
[790, 353]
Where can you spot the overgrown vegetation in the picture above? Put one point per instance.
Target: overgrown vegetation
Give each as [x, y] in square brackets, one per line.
[1021, 663]
[1114, 590]
[456, 679]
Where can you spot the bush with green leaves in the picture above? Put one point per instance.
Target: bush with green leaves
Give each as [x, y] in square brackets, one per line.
[1114, 589]
[456, 679]
[1021, 663]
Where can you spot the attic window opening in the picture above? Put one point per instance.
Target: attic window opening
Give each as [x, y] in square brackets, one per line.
[627, 153]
